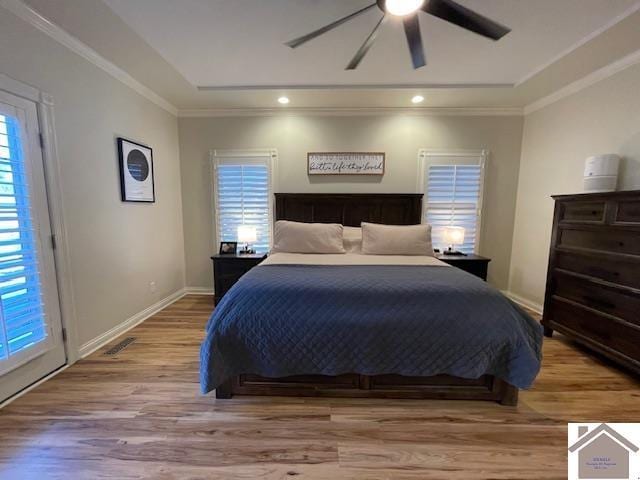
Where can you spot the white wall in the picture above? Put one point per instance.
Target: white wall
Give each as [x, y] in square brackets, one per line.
[604, 118]
[116, 248]
[399, 136]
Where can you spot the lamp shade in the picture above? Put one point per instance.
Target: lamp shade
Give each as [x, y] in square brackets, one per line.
[247, 234]
[453, 235]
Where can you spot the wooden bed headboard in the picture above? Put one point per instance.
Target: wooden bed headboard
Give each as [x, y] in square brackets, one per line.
[350, 208]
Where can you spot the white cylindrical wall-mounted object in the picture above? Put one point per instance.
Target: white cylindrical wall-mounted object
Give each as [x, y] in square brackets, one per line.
[601, 173]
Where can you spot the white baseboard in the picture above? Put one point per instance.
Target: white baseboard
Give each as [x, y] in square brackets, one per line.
[536, 307]
[198, 291]
[101, 340]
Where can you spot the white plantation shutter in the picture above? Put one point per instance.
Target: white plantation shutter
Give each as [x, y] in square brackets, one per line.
[22, 318]
[453, 184]
[243, 195]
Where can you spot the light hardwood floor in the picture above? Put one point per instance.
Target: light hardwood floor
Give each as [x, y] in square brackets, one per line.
[139, 415]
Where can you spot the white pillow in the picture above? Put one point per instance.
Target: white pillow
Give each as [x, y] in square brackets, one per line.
[298, 237]
[396, 239]
[352, 238]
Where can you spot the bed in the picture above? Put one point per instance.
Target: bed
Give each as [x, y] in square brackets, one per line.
[366, 325]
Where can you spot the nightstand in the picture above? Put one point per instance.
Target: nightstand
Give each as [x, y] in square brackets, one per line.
[227, 269]
[474, 264]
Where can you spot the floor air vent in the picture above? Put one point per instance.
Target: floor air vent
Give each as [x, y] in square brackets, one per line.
[121, 346]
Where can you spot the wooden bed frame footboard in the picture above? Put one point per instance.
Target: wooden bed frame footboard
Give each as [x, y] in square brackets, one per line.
[441, 387]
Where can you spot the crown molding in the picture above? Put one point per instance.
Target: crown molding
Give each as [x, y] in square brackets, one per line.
[587, 81]
[36, 20]
[630, 11]
[350, 112]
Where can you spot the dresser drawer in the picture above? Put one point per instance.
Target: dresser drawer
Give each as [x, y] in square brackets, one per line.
[619, 241]
[583, 211]
[597, 327]
[616, 302]
[616, 271]
[628, 212]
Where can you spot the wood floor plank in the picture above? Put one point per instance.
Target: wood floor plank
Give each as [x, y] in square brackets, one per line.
[139, 415]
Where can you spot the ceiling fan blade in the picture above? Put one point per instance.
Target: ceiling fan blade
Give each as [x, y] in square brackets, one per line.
[455, 13]
[414, 39]
[296, 42]
[362, 51]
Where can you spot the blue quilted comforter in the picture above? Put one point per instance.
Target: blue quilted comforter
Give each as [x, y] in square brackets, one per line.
[281, 320]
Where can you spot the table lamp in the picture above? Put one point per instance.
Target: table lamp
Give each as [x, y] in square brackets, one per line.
[453, 236]
[247, 234]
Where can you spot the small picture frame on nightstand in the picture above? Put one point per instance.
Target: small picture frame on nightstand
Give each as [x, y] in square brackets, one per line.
[228, 248]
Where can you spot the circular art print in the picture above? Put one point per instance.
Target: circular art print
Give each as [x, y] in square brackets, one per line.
[137, 165]
[136, 171]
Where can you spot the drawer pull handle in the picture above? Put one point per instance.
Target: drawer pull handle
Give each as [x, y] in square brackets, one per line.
[593, 212]
[621, 244]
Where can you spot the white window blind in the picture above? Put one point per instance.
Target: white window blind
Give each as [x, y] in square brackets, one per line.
[453, 185]
[22, 319]
[243, 191]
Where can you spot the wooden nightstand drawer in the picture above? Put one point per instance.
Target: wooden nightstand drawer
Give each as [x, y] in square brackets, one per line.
[227, 270]
[473, 264]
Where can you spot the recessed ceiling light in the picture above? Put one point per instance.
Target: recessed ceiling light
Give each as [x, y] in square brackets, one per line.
[402, 7]
[283, 100]
[417, 99]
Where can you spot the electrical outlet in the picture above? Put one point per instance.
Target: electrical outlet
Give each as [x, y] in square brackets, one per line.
[152, 286]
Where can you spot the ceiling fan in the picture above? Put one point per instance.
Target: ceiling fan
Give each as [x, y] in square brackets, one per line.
[408, 10]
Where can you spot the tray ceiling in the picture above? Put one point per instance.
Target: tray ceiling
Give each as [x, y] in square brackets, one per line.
[239, 43]
[234, 48]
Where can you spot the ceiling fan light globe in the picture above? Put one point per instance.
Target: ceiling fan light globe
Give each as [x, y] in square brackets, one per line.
[401, 8]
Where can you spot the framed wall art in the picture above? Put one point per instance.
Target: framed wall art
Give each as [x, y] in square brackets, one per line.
[345, 163]
[136, 172]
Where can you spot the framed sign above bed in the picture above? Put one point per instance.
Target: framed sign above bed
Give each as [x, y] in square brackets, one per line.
[345, 163]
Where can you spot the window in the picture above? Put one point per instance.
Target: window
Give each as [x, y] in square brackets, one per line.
[453, 183]
[22, 319]
[243, 195]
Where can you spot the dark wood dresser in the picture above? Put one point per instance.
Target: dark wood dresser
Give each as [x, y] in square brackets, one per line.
[593, 281]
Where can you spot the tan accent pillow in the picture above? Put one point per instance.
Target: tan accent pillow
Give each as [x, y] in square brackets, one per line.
[352, 238]
[396, 239]
[298, 237]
